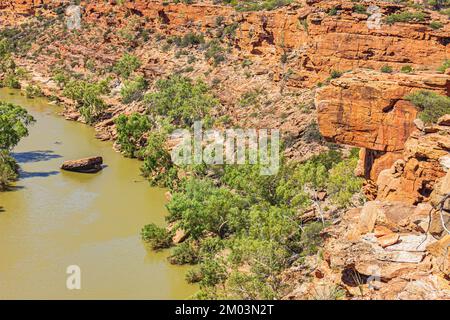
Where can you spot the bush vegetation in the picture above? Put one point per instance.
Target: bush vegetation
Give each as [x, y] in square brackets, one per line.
[445, 65]
[87, 97]
[406, 16]
[133, 90]
[33, 91]
[126, 65]
[432, 105]
[181, 101]
[255, 5]
[14, 121]
[436, 25]
[386, 69]
[130, 132]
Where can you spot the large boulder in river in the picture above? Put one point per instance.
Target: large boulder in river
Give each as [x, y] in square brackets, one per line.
[86, 165]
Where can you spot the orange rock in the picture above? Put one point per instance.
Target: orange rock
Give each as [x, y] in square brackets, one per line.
[381, 231]
[180, 236]
[444, 120]
[384, 124]
[388, 240]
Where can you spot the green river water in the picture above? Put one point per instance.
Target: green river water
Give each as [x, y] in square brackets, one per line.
[53, 219]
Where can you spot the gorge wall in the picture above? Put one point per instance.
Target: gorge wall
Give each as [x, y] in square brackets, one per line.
[315, 41]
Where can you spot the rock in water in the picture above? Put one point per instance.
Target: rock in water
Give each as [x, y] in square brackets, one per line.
[86, 165]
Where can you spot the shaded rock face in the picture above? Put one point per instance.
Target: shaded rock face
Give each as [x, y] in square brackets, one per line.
[87, 165]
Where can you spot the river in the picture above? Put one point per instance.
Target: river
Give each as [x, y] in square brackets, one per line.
[53, 219]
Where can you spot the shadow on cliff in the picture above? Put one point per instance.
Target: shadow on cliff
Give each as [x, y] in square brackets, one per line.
[35, 156]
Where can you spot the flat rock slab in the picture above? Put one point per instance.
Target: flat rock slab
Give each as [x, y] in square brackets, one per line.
[86, 165]
[412, 243]
[401, 256]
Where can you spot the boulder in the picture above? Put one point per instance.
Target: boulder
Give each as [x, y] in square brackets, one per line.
[392, 215]
[441, 250]
[179, 236]
[381, 231]
[388, 240]
[86, 165]
[444, 120]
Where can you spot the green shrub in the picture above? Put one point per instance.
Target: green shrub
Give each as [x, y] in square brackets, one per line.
[386, 69]
[184, 253]
[445, 12]
[181, 101]
[215, 52]
[250, 98]
[406, 69]
[257, 5]
[189, 39]
[87, 97]
[158, 167]
[8, 169]
[33, 91]
[436, 25]
[127, 65]
[406, 16]
[432, 105]
[335, 74]
[202, 207]
[61, 78]
[445, 65]
[359, 8]
[133, 90]
[130, 131]
[157, 237]
[193, 276]
[342, 183]
[333, 11]
[10, 81]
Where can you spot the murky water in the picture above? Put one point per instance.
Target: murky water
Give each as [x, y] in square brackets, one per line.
[54, 219]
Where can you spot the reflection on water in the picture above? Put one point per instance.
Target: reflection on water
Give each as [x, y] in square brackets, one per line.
[52, 219]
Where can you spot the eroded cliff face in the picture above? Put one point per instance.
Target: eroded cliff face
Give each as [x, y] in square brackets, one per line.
[314, 41]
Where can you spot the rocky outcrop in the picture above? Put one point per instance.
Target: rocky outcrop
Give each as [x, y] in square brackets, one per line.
[86, 165]
[412, 178]
[367, 109]
[381, 251]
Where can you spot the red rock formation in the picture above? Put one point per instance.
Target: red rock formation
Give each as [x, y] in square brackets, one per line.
[314, 41]
[367, 109]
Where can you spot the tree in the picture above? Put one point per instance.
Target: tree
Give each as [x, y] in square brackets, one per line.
[342, 183]
[13, 123]
[158, 166]
[13, 127]
[202, 207]
[88, 97]
[181, 101]
[8, 169]
[130, 132]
